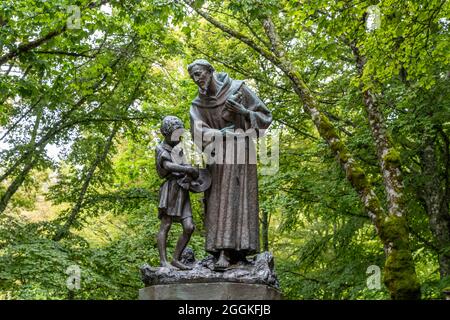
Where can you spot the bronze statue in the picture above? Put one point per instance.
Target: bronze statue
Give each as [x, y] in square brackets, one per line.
[174, 202]
[224, 105]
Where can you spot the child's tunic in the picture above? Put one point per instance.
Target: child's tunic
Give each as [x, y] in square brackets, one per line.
[173, 198]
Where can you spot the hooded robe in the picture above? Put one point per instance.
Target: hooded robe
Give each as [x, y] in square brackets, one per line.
[231, 213]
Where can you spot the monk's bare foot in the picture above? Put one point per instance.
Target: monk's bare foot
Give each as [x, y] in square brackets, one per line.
[180, 265]
[223, 262]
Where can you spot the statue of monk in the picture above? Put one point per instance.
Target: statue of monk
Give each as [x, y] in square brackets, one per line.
[227, 110]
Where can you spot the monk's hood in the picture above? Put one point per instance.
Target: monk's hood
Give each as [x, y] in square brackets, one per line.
[228, 88]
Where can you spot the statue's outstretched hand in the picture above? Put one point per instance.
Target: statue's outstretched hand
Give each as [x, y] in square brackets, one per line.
[236, 107]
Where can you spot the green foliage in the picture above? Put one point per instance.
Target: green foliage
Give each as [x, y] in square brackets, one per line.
[97, 94]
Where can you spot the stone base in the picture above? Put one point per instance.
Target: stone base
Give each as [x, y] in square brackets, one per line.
[209, 291]
[259, 270]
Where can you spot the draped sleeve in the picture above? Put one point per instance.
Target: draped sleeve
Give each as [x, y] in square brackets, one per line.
[260, 117]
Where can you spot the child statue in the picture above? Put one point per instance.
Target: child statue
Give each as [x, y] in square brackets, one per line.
[174, 202]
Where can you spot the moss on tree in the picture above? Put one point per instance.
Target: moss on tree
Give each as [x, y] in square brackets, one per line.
[392, 157]
[399, 272]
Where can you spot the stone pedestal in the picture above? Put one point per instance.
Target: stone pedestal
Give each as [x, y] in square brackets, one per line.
[209, 291]
[253, 280]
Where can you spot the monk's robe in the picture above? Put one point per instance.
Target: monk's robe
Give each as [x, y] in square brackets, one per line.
[231, 203]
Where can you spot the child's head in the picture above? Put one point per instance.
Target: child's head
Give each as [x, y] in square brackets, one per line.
[172, 128]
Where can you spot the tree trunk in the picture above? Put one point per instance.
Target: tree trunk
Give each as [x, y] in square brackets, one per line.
[436, 201]
[29, 163]
[389, 163]
[388, 157]
[265, 229]
[17, 182]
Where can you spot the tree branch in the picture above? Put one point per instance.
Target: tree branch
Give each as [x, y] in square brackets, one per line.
[28, 46]
[73, 54]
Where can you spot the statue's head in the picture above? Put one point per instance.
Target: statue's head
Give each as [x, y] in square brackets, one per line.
[201, 71]
[172, 128]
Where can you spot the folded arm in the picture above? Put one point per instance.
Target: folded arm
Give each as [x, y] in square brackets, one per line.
[174, 167]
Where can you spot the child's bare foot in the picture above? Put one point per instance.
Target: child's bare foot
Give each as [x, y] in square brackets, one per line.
[223, 262]
[180, 265]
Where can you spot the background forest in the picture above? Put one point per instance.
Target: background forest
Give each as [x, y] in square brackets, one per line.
[360, 94]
